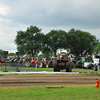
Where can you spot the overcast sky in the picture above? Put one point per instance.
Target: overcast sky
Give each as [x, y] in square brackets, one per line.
[16, 15]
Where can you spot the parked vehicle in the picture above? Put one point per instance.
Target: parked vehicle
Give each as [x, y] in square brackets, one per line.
[42, 63]
[24, 60]
[79, 63]
[92, 64]
[96, 62]
[87, 63]
[27, 61]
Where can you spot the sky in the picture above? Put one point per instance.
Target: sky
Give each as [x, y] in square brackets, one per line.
[16, 15]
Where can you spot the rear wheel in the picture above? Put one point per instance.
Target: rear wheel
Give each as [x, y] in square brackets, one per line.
[26, 63]
[55, 66]
[68, 67]
[40, 64]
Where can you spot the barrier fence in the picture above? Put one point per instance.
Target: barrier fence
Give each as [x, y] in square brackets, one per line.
[12, 67]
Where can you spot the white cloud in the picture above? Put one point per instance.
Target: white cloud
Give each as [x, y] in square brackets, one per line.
[4, 9]
[2, 20]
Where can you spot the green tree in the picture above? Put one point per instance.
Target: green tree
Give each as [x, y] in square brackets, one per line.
[29, 41]
[55, 40]
[1, 52]
[81, 43]
[97, 49]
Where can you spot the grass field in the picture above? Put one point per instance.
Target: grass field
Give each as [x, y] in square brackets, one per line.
[43, 93]
[84, 70]
[51, 70]
[32, 69]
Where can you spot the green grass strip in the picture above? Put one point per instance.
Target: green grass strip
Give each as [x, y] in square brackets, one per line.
[43, 93]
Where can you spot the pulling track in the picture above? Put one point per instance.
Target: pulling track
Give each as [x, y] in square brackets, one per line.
[47, 80]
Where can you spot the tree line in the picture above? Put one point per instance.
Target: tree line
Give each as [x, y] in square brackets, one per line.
[33, 41]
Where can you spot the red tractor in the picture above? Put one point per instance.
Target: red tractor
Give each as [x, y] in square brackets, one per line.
[62, 63]
[42, 63]
[27, 61]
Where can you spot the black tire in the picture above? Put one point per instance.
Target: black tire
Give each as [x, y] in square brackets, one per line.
[55, 66]
[68, 67]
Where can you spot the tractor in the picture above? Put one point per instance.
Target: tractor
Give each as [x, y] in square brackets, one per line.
[62, 62]
[42, 63]
[27, 61]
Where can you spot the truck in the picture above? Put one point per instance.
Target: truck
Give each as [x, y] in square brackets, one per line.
[87, 63]
[62, 63]
[91, 63]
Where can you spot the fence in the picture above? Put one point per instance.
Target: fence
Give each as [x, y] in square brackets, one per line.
[11, 67]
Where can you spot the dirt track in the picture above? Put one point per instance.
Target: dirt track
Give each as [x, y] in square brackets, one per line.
[47, 80]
